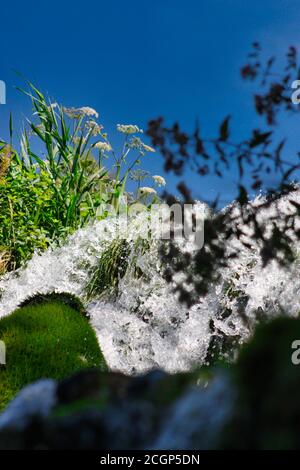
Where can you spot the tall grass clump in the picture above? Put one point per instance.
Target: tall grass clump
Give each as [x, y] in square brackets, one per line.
[48, 193]
[118, 259]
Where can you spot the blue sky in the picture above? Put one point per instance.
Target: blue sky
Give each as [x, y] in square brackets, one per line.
[135, 60]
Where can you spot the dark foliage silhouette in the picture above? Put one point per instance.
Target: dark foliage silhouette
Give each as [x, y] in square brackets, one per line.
[254, 160]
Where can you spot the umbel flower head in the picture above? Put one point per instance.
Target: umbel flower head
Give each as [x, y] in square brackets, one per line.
[103, 146]
[94, 127]
[89, 111]
[76, 113]
[76, 140]
[159, 180]
[147, 191]
[129, 128]
[136, 143]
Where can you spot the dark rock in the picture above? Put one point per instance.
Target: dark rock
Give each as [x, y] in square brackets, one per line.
[252, 404]
[83, 385]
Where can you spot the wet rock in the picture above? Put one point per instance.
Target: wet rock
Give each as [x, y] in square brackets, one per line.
[83, 385]
[36, 399]
[252, 404]
[17, 421]
[197, 419]
[95, 410]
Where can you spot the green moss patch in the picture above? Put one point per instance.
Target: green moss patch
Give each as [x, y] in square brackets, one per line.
[62, 297]
[48, 340]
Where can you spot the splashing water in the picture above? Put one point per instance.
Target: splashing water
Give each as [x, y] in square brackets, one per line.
[146, 327]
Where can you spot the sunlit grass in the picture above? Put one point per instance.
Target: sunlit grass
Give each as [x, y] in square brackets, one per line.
[49, 340]
[76, 176]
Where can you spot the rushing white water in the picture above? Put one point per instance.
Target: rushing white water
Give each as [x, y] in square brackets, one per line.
[146, 327]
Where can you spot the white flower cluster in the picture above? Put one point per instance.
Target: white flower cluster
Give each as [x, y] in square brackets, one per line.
[129, 128]
[76, 113]
[89, 111]
[147, 191]
[76, 139]
[159, 180]
[94, 127]
[136, 143]
[103, 146]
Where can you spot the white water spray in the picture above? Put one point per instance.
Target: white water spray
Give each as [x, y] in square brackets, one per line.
[146, 327]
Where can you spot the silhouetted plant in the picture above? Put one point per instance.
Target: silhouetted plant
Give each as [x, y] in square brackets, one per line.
[254, 160]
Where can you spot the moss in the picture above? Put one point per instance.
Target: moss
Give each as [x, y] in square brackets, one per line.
[45, 340]
[62, 297]
[156, 388]
[76, 407]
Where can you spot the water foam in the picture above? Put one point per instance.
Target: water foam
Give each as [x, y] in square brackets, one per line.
[146, 327]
